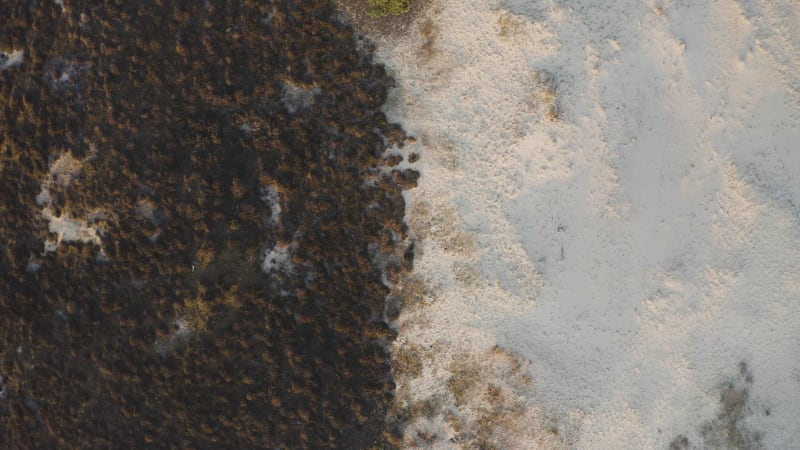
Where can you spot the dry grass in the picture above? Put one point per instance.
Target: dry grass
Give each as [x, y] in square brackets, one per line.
[490, 409]
[544, 97]
[429, 33]
[466, 376]
[509, 24]
[407, 361]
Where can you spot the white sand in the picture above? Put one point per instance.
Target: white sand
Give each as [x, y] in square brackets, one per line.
[67, 229]
[9, 59]
[610, 192]
[278, 259]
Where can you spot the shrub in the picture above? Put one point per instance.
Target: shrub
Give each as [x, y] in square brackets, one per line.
[383, 8]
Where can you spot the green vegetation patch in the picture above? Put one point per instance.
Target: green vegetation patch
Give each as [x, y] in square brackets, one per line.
[383, 8]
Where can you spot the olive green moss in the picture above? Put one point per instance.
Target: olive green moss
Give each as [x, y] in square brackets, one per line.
[382, 8]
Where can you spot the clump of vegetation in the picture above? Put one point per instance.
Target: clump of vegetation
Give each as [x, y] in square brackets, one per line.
[383, 8]
[729, 429]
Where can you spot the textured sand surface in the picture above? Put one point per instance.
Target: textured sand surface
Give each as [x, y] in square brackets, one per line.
[609, 193]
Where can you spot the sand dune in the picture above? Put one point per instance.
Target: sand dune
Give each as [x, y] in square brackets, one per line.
[607, 221]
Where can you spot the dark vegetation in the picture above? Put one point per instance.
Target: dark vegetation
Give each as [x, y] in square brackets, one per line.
[728, 430]
[181, 102]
